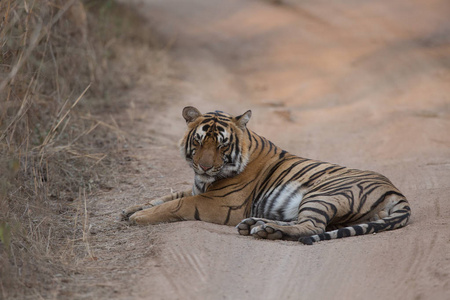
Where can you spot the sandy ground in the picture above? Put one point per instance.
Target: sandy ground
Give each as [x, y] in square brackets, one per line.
[364, 84]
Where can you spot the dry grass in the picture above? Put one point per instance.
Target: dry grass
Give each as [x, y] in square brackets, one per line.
[55, 78]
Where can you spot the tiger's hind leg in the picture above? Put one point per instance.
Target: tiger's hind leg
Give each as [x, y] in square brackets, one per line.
[246, 225]
[312, 219]
[392, 217]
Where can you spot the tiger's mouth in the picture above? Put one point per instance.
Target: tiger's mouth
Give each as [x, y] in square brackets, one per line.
[213, 172]
[224, 171]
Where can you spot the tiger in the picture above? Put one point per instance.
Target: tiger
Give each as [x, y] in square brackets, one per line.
[242, 179]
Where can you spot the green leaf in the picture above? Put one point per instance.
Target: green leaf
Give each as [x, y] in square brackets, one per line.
[5, 234]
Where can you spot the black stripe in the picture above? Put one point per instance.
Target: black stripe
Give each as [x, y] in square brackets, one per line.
[324, 236]
[275, 148]
[197, 214]
[188, 141]
[316, 210]
[322, 202]
[207, 120]
[228, 216]
[222, 115]
[199, 187]
[179, 204]
[304, 170]
[235, 190]
[317, 175]
[359, 230]
[250, 138]
[222, 123]
[337, 169]
[237, 149]
[343, 232]
[381, 199]
[263, 144]
[316, 220]
[332, 182]
[256, 141]
[270, 146]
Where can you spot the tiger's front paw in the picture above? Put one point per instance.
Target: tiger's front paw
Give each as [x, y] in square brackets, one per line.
[127, 212]
[248, 224]
[145, 217]
[136, 218]
[267, 231]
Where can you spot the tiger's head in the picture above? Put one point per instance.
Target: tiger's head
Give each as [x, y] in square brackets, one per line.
[215, 144]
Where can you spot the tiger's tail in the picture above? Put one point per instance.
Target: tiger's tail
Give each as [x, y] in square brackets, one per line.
[398, 217]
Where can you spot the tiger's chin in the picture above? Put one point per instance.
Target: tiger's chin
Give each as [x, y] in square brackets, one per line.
[205, 178]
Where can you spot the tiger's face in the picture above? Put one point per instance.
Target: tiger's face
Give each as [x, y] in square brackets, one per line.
[214, 143]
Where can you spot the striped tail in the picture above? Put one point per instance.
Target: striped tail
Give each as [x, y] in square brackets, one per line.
[399, 217]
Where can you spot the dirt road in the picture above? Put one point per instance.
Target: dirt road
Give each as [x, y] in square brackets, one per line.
[357, 83]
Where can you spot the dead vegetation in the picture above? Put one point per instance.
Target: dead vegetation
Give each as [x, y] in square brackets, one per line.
[60, 62]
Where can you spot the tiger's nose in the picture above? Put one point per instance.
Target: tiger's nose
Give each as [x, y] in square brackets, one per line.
[205, 168]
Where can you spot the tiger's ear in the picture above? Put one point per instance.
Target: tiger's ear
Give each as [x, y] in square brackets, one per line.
[243, 119]
[190, 114]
